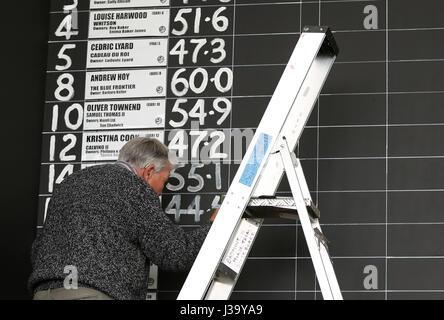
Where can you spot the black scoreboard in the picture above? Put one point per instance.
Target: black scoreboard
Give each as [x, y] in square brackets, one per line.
[198, 75]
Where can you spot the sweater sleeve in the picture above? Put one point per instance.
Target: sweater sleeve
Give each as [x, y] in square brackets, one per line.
[166, 244]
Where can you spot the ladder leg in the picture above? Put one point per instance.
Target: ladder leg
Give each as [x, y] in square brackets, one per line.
[320, 257]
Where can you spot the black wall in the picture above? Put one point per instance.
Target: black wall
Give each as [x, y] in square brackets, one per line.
[24, 28]
[372, 150]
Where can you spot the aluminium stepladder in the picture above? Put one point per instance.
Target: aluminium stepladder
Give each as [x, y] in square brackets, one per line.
[225, 250]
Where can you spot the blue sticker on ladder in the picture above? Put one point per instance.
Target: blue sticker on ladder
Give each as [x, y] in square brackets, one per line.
[255, 160]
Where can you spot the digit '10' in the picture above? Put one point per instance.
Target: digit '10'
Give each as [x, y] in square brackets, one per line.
[74, 111]
[72, 117]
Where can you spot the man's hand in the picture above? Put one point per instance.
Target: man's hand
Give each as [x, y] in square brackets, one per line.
[214, 214]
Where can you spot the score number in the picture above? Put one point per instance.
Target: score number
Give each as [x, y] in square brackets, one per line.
[216, 45]
[219, 22]
[210, 150]
[198, 179]
[174, 206]
[205, 148]
[222, 79]
[220, 106]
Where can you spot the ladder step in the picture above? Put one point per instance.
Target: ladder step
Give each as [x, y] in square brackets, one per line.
[279, 207]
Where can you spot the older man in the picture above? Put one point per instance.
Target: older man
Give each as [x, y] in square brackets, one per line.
[105, 224]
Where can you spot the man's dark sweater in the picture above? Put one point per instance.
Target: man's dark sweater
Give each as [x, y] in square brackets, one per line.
[108, 223]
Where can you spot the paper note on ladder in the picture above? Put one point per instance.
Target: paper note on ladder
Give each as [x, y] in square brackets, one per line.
[240, 246]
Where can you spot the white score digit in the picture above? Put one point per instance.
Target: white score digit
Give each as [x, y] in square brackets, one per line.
[74, 107]
[52, 141]
[225, 111]
[201, 135]
[217, 79]
[198, 111]
[67, 170]
[179, 50]
[179, 178]
[203, 85]
[64, 87]
[55, 118]
[70, 7]
[73, 126]
[220, 23]
[199, 44]
[67, 25]
[182, 20]
[193, 175]
[197, 20]
[174, 207]
[65, 150]
[61, 55]
[177, 108]
[177, 80]
[220, 49]
[178, 143]
[220, 138]
[46, 208]
[218, 177]
[194, 208]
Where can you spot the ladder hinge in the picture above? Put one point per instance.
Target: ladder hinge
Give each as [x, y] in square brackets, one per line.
[321, 238]
[312, 209]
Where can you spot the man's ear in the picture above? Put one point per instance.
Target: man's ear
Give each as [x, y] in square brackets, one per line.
[149, 171]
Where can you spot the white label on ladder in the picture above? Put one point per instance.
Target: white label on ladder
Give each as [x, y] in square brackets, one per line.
[240, 246]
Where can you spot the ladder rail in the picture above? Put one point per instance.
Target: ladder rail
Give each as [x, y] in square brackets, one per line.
[319, 255]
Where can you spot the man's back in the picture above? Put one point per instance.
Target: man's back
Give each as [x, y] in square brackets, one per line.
[107, 223]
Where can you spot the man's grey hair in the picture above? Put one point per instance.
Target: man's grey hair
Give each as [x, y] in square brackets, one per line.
[141, 152]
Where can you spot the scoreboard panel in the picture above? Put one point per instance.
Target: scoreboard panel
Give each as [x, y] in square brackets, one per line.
[198, 75]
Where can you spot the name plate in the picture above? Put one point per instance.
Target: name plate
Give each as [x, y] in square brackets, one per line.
[105, 115]
[108, 4]
[125, 84]
[103, 146]
[127, 53]
[129, 23]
